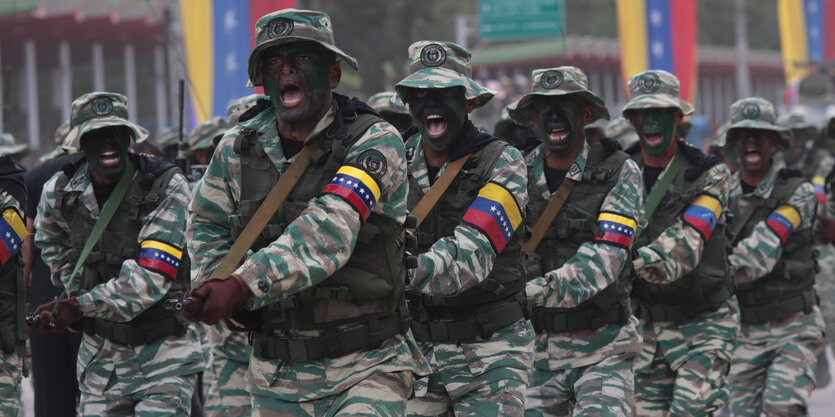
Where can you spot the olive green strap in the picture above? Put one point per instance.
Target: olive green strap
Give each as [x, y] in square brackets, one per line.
[424, 206]
[107, 212]
[266, 210]
[549, 214]
[658, 191]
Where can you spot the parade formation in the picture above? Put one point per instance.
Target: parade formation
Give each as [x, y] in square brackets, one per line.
[324, 256]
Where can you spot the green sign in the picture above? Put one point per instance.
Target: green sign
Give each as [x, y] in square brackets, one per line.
[514, 19]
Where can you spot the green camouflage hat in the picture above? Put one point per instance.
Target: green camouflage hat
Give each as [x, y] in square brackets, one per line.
[9, 147]
[287, 26]
[560, 81]
[237, 108]
[60, 135]
[435, 64]
[203, 135]
[796, 121]
[757, 113]
[505, 121]
[97, 110]
[169, 136]
[655, 89]
[721, 135]
[622, 131]
[387, 101]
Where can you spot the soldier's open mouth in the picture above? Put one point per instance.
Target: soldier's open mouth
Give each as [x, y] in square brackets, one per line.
[435, 125]
[752, 154]
[653, 139]
[109, 158]
[291, 95]
[558, 134]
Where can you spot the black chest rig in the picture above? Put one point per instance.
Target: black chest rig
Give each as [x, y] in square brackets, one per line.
[367, 292]
[710, 283]
[575, 225]
[118, 243]
[790, 286]
[494, 303]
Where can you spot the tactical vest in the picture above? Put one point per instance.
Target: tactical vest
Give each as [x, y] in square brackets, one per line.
[13, 331]
[790, 286]
[575, 225]
[367, 291]
[118, 243]
[495, 302]
[709, 284]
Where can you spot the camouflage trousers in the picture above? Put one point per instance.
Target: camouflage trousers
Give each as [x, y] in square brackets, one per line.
[227, 394]
[605, 388]
[381, 394]
[825, 287]
[499, 397]
[775, 378]
[11, 372]
[697, 388]
[169, 397]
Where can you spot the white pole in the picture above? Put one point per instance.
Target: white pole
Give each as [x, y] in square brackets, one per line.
[159, 88]
[98, 67]
[130, 82]
[65, 68]
[32, 95]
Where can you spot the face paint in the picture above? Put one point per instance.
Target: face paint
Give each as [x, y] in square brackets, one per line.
[558, 121]
[439, 114]
[655, 127]
[754, 147]
[106, 150]
[296, 78]
[520, 137]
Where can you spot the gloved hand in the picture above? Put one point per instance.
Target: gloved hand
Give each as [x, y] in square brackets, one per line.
[826, 232]
[69, 313]
[221, 298]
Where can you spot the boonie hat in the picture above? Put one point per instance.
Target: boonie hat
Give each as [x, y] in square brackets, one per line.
[97, 110]
[560, 81]
[757, 113]
[387, 101]
[655, 89]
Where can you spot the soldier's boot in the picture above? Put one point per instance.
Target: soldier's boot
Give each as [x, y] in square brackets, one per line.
[822, 377]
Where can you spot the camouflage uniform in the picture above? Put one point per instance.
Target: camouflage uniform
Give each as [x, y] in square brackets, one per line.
[506, 125]
[773, 368]
[155, 378]
[314, 246]
[572, 364]
[237, 108]
[682, 367]
[389, 105]
[620, 130]
[485, 374]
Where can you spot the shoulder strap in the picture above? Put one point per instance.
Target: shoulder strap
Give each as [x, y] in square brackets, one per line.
[266, 210]
[549, 214]
[106, 215]
[658, 191]
[425, 205]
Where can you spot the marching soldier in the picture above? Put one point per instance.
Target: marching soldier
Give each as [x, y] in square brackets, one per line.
[392, 109]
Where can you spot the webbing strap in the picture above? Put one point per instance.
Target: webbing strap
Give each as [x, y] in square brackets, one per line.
[740, 222]
[267, 209]
[425, 205]
[549, 214]
[107, 212]
[658, 191]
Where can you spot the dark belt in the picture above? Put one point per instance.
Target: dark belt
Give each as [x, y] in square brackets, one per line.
[479, 324]
[780, 309]
[135, 334]
[370, 335]
[551, 320]
[683, 311]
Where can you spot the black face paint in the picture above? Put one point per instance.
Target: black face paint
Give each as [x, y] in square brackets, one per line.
[754, 147]
[439, 114]
[296, 77]
[558, 121]
[107, 150]
[520, 137]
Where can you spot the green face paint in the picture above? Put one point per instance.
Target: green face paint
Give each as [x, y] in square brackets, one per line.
[439, 114]
[655, 127]
[559, 121]
[296, 78]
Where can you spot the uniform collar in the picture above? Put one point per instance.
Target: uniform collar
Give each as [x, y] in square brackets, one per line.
[265, 126]
[536, 163]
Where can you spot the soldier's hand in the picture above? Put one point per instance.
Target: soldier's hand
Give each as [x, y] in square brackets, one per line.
[69, 313]
[221, 298]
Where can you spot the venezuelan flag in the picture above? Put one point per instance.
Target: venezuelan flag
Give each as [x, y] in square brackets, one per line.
[820, 188]
[356, 187]
[617, 230]
[659, 34]
[218, 36]
[496, 213]
[12, 233]
[807, 33]
[783, 221]
[703, 214]
[160, 256]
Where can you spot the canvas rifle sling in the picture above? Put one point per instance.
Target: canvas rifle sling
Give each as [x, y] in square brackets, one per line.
[425, 205]
[549, 214]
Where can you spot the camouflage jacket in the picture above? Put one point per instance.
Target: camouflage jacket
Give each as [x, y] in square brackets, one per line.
[312, 247]
[125, 296]
[593, 268]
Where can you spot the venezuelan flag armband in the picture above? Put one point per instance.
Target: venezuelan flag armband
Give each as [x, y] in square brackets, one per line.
[703, 214]
[820, 188]
[356, 187]
[160, 257]
[12, 233]
[783, 221]
[617, 230]
[495, 213]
